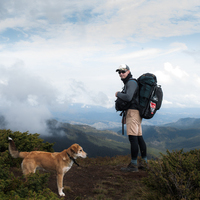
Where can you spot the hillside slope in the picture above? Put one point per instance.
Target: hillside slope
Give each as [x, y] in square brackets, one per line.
[95, 142]
[185, 123]
[111, 143]
[170, 138]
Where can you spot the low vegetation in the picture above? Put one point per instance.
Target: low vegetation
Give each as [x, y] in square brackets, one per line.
[12, 187]
[175, 175]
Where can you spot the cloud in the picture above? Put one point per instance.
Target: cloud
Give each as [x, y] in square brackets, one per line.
[105, 20]
[19, 83]
[80, 93]
[54, 53]
[197, 80]
[180, 87]
[28, 100]
[165, 102]
[175, 71]
[176, 46]
[150, 19]
[142, 54]
[194, 54]
[25, 99]
[163, 77]
[21, 117]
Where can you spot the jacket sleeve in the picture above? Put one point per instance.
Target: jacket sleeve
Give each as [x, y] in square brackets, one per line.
[131, 87]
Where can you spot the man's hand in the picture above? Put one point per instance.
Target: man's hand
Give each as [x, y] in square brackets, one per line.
[116, 93]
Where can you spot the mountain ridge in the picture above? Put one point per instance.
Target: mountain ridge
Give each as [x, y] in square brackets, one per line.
[185, 123]
[112, 143]
[105, 118]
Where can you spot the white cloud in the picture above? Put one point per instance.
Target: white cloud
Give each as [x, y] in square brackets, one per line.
[193, 98]
[165, 102]
[32, 100]
[181, 105]
[12, 23]
[53, 53]
[175, 71]
[197, 80]
[20, 117]
[143, 54]
[180, 87]
[105, 20]
[25, 99]
[163, 77]
[177, 47]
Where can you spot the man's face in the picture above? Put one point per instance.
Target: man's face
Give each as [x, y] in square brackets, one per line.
[123, 73]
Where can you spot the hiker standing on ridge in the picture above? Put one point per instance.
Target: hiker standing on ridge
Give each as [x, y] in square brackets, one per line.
[132, 117]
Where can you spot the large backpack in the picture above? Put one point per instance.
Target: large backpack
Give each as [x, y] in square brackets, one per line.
[150, 95]
[149, 98]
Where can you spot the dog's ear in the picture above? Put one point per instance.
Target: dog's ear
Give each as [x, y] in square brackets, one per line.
[74, 148]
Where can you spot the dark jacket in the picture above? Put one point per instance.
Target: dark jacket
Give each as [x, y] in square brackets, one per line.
[130, 91]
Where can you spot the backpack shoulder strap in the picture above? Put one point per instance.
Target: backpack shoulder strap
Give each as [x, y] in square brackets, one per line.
[133, 79]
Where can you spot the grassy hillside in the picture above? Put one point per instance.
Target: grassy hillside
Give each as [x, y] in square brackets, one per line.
[163, 138]
[186, 123]
[175, 176]
[95, 142]
[111, 143]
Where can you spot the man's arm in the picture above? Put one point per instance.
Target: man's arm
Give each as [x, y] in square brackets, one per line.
[131, 87]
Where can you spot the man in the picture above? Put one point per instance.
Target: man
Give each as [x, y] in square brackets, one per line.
[132, 118]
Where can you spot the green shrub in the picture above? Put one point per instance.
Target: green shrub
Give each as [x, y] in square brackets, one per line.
[24, 142]
[176, 175]
[34, 188]
[12, 187]
[37, 182]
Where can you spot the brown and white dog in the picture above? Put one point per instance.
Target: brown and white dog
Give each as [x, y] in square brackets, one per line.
[59, 162]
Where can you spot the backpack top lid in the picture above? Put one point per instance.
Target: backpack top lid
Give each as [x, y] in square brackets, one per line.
[148, 78]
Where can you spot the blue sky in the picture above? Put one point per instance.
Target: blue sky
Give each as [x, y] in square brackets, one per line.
[54, 53]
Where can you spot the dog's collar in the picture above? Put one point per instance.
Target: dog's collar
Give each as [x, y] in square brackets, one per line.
[73, 160]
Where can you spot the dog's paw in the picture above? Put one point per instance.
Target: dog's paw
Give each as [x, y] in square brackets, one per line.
[62, 194]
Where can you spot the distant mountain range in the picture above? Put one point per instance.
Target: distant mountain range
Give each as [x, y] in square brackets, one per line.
[106, 118]
[111, 142]
[163, 138]
[185, 123]
[98, 130]
[95, 142]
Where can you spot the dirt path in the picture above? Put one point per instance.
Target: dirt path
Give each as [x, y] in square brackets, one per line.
[92, 181]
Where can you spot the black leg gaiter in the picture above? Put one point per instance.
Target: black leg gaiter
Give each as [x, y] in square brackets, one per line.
[135, 141]
[134, 146]
[142, 145]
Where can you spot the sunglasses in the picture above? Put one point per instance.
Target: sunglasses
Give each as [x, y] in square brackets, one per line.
[122, 71]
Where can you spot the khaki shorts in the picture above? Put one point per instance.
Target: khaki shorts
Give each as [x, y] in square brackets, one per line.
[133, 122]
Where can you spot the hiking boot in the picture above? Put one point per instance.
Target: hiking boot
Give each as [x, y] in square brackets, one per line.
[130, 168]
[141, 166]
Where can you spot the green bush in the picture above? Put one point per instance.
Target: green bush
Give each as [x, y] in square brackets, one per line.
[12, 187]
[176, 175]
[24, 142]
[37, 182]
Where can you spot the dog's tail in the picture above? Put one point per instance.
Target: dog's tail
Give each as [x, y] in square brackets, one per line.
[14, 151]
